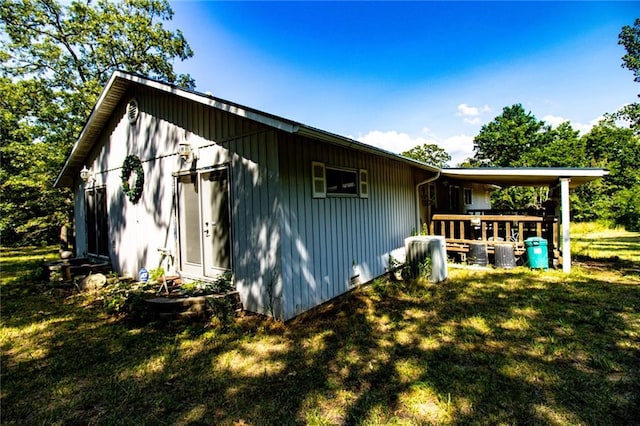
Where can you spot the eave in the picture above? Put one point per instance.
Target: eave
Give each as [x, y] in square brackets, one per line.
[530, 176]
[120, 82]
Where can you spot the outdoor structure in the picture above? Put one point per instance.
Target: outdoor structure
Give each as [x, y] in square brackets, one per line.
[169, 177]
[457, 206]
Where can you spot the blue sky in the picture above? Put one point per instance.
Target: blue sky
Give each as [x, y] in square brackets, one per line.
[399, 74]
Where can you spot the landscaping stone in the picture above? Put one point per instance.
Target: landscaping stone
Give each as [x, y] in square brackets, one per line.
[93, 282]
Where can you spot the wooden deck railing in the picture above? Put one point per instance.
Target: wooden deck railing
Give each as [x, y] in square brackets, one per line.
[462, 229]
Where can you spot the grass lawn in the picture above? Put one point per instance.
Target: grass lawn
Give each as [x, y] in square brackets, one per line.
[488, 347]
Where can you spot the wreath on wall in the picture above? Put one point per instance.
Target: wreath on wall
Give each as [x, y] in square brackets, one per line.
[132, 164]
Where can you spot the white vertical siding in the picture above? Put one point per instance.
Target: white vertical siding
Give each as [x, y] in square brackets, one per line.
[255, 219]
[321, 238]
[138, 230]
[290, 252]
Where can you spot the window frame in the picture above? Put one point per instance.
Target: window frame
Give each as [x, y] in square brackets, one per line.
[467, 195]
[320, 178]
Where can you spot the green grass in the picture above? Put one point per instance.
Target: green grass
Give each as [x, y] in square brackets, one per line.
[590, 240]
[487, 347]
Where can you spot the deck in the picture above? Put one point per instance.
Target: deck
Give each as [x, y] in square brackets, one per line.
[460, 230]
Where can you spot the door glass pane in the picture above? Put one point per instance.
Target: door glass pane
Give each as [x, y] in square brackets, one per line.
[90, 216]
[216, 205]
[102, 223]
[191, 218]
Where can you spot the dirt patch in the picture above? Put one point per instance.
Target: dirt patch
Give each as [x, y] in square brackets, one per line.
[625, 267]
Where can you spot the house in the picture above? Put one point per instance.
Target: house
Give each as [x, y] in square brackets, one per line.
[292, 211]
[298, 215]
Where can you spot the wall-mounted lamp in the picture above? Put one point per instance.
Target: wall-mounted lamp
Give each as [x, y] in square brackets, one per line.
[86, 175]
[186, 152]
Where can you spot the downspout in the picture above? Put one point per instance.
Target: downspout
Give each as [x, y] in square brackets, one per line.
[418, 185]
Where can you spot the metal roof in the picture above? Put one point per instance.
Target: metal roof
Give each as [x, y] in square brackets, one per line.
[120, 81]
[529, 176]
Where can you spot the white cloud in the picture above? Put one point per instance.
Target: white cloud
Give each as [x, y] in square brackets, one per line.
[472, 114]
[466, 110]
[554, 120]
[584, 128]
[392, 140]
[460, 147]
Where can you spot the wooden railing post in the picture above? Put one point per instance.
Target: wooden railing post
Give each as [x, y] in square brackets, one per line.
[453, 227]
[521, 232]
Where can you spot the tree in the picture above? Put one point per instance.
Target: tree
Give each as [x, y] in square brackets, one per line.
[629, 37]
[508, 137]
[561, 147]
[618, 150]
[429, 153]
[625, 202]
[55, 61]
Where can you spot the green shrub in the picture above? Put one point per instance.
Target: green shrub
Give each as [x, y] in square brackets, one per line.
[124, 297]
[626, 208]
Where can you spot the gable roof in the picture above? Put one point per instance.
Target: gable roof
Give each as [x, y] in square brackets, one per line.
[120, 82]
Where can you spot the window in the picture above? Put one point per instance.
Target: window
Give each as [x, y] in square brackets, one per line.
[97, 221]
[333, 181]
[342, 182]
[454, 197]
[432, 195]
[468, 196]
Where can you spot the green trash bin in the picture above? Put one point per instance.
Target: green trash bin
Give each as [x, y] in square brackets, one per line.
[537, 252]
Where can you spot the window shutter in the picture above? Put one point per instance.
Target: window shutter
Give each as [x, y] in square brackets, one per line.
[364, 183]
[318, 180]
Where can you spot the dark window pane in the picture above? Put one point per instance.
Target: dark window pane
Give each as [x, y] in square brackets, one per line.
[342, 182]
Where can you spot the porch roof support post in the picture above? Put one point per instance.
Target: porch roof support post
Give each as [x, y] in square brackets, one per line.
[566, 222]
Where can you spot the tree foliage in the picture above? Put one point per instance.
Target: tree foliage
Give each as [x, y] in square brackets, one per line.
[606, 146]
[629, 37]
[502, 142]
[430, 154]
[516, 138]
[55, 61]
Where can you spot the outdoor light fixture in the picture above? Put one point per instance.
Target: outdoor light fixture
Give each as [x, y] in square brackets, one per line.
[186, 152]
[86, 175]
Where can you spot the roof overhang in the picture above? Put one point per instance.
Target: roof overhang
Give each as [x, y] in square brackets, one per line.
[120, 82]
[528, 176]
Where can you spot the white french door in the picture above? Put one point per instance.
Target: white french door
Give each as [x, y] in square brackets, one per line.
[204, 221]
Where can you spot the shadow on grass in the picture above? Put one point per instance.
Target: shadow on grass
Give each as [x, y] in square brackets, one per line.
[625, 247]
[498, 346]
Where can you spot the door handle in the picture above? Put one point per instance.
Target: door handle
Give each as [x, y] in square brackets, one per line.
[206, 229]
